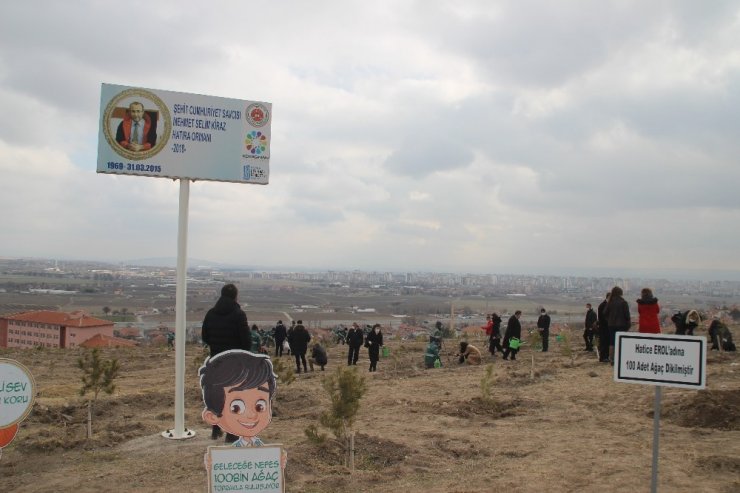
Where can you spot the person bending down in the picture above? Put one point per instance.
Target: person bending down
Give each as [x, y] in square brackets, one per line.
[468, 354]
[318, 357]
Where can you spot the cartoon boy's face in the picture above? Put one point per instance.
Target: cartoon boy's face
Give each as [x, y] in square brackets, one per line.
[246, 412]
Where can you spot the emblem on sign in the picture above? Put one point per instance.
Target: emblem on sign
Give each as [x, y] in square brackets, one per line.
[257, 114]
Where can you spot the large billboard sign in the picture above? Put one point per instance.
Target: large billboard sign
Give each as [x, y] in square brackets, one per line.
[148, 132]
[664, 360]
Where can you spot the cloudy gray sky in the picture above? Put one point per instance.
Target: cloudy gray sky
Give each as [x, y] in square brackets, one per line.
[468, 136]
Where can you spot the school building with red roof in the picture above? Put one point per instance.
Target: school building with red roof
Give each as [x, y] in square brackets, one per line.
[50, 329]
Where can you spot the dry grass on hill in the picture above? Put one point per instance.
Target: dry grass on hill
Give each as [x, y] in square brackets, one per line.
[563, 425]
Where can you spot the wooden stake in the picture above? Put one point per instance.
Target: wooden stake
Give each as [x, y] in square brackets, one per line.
[89, 419]
[531, 371]
[352, 452]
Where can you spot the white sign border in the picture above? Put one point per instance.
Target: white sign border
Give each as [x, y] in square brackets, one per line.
[231, 448]
[701, 364]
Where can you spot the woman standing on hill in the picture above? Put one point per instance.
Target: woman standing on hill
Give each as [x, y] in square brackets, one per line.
[513, 331]
[374, 342]
[648, 308]
[617, 314]
[494, 339]
[298, 341]
[489, 326]
[256, 339]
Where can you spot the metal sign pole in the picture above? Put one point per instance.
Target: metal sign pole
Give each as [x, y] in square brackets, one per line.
[681, 361]
[179, 432]
[656, 439]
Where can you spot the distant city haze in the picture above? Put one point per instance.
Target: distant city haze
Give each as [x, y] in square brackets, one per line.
[195, 264]
[672, 274]
[513, 283]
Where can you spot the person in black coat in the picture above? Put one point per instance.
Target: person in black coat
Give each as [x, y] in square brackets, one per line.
[374, 342]
[543, 325]
[713, 333]
[281, 333]
[617, 317]
[355, 338]
[513, 329]
[589, 326]
[494, 340]
[603, 330]
[226, 327]
[318, 357]
[298, 341]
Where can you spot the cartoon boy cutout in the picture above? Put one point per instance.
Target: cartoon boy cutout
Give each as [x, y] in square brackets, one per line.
[238, 387]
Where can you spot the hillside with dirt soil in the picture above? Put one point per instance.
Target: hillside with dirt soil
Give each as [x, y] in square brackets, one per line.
[558, 424]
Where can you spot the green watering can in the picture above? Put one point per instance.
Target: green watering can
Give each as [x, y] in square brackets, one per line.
[514, 343]
[386, 352]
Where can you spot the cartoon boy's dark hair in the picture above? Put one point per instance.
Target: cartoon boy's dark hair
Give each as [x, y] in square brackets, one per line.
[237, 367]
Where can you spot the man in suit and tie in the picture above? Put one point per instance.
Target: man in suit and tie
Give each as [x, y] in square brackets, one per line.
[136, 132]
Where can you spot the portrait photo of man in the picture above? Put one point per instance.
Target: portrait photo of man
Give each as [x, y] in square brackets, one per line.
[138, 130]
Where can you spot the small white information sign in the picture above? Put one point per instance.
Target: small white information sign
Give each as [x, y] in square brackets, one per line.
[665, 360]
[245, 469]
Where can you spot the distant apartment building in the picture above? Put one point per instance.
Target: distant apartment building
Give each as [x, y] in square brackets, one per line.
[50, 329]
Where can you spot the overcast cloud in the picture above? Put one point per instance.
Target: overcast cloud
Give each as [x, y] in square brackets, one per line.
[459, 136]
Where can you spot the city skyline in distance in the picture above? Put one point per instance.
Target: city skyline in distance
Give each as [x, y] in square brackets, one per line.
[627, 273]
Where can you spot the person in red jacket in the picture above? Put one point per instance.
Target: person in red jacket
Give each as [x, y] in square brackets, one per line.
[648, 308]
[489, 326]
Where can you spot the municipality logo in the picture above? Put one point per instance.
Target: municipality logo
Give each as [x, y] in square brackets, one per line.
[256, 143]
[257, 115]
